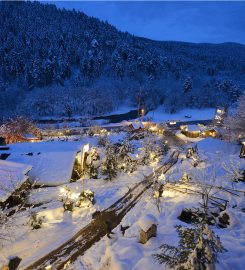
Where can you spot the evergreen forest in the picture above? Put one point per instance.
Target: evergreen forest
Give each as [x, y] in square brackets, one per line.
[57, 62]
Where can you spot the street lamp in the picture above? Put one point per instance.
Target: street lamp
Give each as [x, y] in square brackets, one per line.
[142, 115]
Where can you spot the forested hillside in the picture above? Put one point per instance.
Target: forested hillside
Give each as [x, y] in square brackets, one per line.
[60, 62]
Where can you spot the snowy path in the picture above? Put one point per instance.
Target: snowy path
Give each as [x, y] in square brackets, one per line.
[92, 233]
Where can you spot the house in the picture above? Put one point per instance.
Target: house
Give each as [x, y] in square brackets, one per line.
[158, 129]
[192, 131]
[28, 138]
[136, 127]
[242, 153]
[13, 179]
[220, 114]
[208, 132]
[53, 162]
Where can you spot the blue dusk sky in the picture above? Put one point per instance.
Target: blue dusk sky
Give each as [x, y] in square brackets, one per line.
[195, 21]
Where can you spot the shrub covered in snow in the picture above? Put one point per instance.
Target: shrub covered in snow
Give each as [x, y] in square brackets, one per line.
[150, 151]
[67, 198]
[125, 148]
[86, 195]
[102, 139]
[34, 221]
[94, 129]
[92, 163]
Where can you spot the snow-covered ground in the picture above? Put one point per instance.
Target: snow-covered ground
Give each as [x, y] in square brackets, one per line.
[58, 225]
[125, 252]
[159, 115]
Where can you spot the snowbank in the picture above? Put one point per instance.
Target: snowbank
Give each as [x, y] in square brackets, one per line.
[213, 145]
[12, 176]
[159, 115]
[233, 220]
[146, 221]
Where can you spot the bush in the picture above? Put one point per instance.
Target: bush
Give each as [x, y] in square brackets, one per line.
[102, 139]
[67, 199]
[86, 195]
[35, 223]
[150, 151]
[94, 129]
[93, 172]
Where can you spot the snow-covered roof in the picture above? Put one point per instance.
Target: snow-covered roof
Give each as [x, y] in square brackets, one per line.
[193, 128]
[55, 146]
[49, 168]
[205, 128]
[29, 136]
[52, 161]
[137, 125]
[147, 221]
[12, 176]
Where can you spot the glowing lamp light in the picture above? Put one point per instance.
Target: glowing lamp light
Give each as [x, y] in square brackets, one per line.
[162, 176]
[86, 147]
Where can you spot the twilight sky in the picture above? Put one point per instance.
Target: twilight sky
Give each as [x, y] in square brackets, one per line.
[214, 22]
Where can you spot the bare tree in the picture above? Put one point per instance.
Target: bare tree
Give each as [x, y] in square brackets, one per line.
[234, 171]
[205, 180]
[12, 211]
[13, 129]
[235, 121]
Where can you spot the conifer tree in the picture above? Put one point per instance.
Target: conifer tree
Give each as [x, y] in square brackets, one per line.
[124, 149]
[110, 165]
[198, 246]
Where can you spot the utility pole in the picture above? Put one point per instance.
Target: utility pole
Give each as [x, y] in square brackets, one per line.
[142, 113]
[139, 104]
